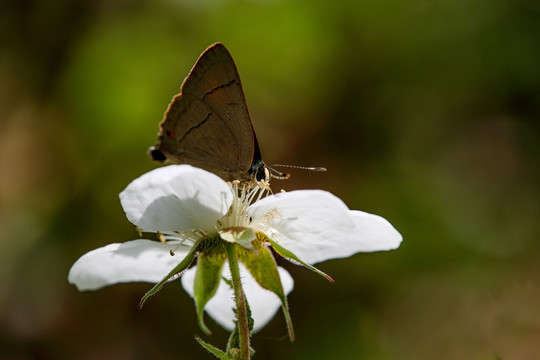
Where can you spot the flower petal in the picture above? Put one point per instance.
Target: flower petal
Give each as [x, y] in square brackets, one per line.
[317, 226]
[372, 233]
[305, 222]
[176, 198]
[132, 261]
[262, 302]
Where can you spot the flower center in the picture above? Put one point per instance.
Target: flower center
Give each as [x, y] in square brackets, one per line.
[244, 194]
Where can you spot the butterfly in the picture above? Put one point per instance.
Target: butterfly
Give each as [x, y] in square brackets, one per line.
[208, 124]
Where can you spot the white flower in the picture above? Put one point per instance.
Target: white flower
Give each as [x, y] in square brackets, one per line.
[184, 204]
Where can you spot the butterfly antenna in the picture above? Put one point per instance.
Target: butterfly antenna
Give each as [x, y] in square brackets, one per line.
[300, 167]
[279, 175]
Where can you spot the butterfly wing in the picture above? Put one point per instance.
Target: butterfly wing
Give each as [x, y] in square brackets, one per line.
[208, 124]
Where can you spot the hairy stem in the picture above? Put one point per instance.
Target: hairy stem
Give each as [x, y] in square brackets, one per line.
[240, 298]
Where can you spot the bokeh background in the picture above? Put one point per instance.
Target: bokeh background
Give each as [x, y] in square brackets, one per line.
[425, 112]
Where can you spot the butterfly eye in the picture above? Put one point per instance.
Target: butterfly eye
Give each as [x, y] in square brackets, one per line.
[262, 173]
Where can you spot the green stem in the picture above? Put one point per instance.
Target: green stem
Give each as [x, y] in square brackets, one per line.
[240, 298]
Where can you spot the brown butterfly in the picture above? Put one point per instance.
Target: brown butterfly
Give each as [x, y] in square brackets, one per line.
[208, 125]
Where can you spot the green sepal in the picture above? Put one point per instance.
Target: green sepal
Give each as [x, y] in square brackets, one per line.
[220, 354]
[289, 255]
[178, 269]
[206, 282]
[262, 266]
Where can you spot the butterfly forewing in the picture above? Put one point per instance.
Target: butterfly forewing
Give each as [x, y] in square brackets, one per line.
[208, 124]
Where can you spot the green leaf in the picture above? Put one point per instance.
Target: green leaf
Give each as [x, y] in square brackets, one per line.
[262, 266]
[212, 349]
[178, 269]
[206, 283]
[289, 255]
[227, 281]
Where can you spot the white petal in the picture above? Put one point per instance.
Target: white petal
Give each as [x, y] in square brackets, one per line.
[132, 261]
[263, 303]
[372, 233]
[176, 198]
[307, 222]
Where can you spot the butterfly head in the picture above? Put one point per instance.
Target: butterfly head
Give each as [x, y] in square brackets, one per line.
[259, 171]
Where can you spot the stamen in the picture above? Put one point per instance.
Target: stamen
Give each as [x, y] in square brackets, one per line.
[161, 237]
[244, 194]
[183, 237]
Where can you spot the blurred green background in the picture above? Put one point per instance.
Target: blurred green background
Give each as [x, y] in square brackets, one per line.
[424, 112]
